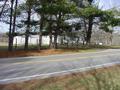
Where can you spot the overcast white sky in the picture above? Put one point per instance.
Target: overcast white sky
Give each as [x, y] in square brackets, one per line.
[103, 4]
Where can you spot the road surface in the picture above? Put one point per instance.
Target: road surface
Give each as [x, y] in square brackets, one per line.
[27, 68]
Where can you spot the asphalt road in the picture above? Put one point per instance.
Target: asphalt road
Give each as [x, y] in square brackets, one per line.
[26, 68]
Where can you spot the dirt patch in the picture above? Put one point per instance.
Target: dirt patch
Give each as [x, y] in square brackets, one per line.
[6, 54]
[29, 53]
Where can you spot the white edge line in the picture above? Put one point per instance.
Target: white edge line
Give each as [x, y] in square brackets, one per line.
[56, 73]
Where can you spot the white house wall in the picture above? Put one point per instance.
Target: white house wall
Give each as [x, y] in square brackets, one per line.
[33, 40]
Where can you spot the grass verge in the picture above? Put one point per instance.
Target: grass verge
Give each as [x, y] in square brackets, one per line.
[100, 79]
[19, 52]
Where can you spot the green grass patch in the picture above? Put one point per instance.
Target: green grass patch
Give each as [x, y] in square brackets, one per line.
[63, 47]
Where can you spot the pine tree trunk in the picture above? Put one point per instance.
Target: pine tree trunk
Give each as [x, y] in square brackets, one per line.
[57, 30]
[40, 31]
[85, 32]
[26, 40]
[77, 43]
[40, 41]
[50, 34]
[27, 29]
[50, 43]
[14, 20]
[89, 32]
[55, 41]
[10, 46]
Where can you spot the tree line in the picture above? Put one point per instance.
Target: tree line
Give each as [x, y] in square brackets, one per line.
[53, 19]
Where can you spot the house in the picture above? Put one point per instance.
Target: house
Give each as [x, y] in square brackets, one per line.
[33, 40]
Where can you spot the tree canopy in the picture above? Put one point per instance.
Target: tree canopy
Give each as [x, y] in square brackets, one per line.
[51, 17]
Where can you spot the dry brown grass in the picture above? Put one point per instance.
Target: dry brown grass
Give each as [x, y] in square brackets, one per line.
[40, 53]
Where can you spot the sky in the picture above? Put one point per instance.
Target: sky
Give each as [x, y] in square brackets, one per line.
[107, 4]
[103, 4]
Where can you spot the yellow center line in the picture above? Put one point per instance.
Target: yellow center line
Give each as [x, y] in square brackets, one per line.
[65, 59]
